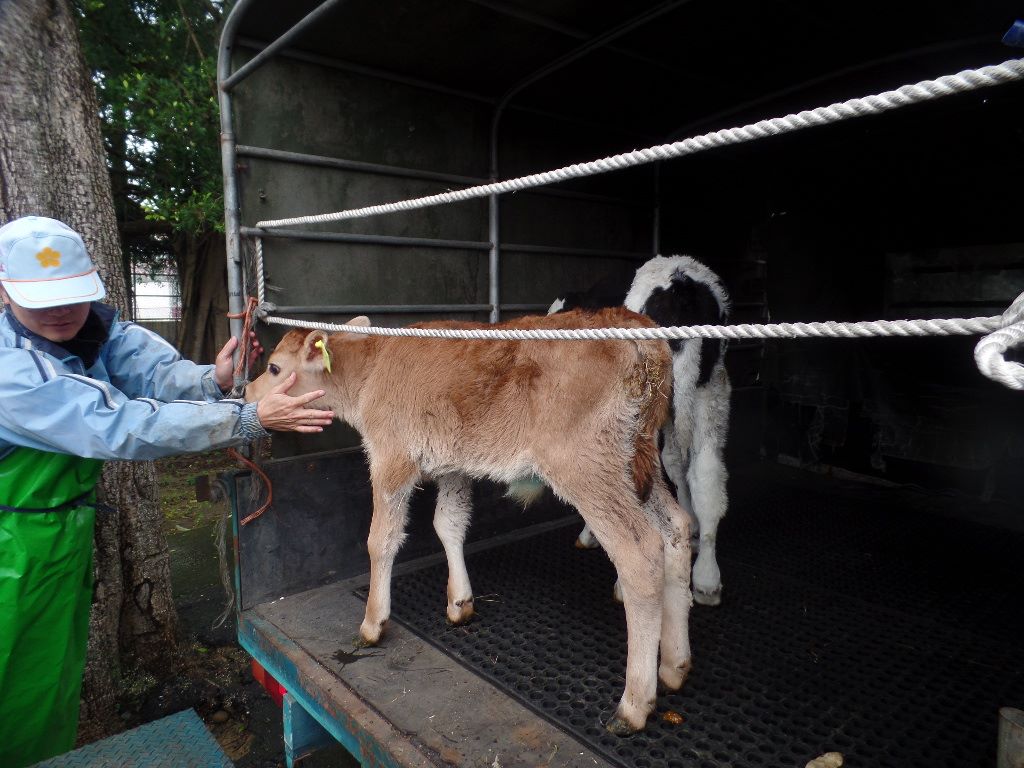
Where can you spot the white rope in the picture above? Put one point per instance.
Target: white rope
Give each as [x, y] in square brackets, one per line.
[261, 288]
[1003, 332]
[870, 105]
[263, 307]
[990, 352]
[831, 330]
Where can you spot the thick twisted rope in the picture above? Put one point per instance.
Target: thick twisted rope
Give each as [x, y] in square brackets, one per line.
[1003, 332]
[926, 90]
[832, 330]
[990, 352]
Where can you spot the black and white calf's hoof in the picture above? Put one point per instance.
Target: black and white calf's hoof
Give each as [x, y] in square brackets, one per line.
[586, 539]
[617, 592]
[710, 597]
[706, 581]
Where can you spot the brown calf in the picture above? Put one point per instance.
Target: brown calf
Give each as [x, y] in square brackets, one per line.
[581, 415]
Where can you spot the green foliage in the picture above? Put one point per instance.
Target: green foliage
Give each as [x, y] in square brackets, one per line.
[154, 64]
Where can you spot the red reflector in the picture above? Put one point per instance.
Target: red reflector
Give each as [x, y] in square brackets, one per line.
[264, 678]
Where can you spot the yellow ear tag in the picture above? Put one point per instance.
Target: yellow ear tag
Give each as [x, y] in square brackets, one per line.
[327, 355]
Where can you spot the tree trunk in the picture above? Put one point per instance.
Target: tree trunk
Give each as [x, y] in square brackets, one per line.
[202, 268]
[52, 164]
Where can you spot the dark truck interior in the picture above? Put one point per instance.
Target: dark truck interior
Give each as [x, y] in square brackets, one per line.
[873, 600]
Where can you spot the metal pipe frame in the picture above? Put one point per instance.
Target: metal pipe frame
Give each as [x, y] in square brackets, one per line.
[360, 166]
[362, 69]
[228, 159]
[401, 309]
[345, 237]
[230, 152]
[226, 81]
[546, 23]
[426, 242]
[691, 127]
[579, 52]
[394, 77]
[567, 251]
[409, 309]
[656, 223]
[380, 309]
[271, 50]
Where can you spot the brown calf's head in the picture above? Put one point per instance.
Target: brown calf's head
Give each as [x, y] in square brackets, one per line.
[310, 354]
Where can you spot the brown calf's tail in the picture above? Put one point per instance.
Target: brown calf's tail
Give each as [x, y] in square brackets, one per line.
[650, 385]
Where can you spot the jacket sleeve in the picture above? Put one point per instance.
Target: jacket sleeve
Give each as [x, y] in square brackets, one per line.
[44, 406]
[142, 364]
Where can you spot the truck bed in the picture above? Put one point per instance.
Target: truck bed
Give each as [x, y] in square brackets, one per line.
[874, 621]
[419, 703]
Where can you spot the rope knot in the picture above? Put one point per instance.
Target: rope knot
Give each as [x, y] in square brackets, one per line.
[989, 354]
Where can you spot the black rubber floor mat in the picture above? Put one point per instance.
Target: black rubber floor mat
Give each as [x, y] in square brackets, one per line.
[849, 625]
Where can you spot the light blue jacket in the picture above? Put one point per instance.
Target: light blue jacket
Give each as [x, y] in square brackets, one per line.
[138, 400]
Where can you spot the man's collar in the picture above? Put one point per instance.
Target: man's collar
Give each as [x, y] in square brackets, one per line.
[86, 343]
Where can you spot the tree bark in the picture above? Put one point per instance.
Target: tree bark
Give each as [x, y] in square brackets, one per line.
[52, 164]
[202, 268]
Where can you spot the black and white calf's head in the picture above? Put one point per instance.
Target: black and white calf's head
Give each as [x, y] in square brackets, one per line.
[671, 290]
[679, 290]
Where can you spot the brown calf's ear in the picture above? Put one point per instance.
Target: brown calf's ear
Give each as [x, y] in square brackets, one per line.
[363, 322]
[316, 347]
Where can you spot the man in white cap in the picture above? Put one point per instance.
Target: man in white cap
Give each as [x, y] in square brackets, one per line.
[78, 387]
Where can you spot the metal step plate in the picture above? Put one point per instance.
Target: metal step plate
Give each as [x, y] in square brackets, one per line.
[176, 741]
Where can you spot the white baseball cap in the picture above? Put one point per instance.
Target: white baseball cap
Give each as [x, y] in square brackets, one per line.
[43, 263]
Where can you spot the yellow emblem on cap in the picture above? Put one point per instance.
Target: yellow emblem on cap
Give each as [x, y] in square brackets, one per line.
[48, 257]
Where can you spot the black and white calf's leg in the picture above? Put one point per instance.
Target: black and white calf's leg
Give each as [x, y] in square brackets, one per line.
[675, 458]
[706, 478]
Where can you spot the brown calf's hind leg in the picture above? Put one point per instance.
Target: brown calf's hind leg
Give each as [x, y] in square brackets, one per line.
[675, 629]
[610, 507]
[451, 520]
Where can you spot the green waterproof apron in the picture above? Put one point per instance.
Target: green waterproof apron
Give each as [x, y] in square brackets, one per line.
[47, 510]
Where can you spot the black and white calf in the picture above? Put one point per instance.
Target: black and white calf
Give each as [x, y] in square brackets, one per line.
[679, 290]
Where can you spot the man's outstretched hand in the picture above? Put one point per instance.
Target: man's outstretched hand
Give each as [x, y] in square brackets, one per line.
[284, 413]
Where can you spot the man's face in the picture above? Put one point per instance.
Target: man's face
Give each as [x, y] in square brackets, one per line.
[57, 324]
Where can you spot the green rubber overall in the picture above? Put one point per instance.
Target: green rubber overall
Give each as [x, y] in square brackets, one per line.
[47, 511]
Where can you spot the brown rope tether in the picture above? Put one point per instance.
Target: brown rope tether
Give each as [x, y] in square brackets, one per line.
[242, 366]
[270, 488]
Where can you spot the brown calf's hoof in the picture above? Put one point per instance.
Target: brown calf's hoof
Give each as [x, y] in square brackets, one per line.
[621, 728]
[363, 640]
[461, 613]
[672, 680]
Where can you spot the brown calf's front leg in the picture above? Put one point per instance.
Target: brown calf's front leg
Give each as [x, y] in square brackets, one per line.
[392, 482]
